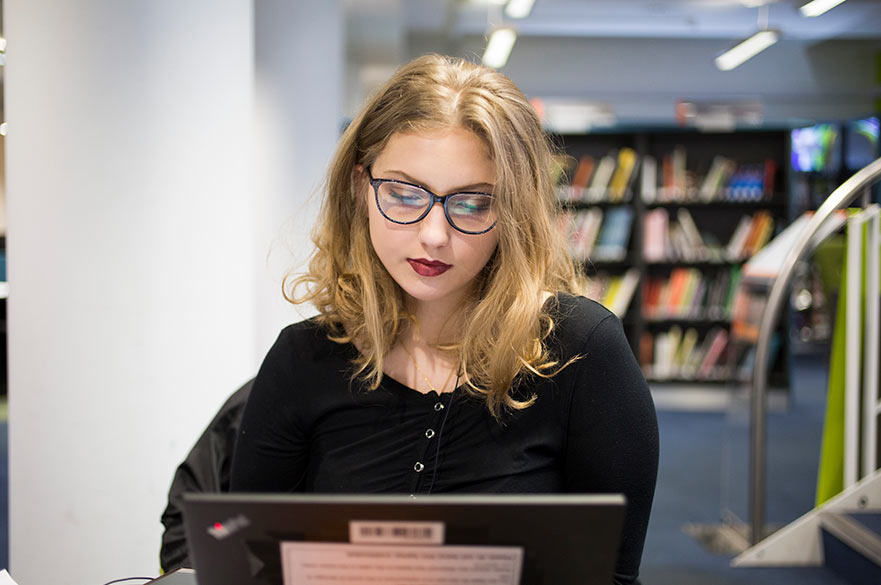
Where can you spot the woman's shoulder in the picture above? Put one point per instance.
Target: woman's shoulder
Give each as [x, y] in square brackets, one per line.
[577, 319]
[308, 340]
[577, 311]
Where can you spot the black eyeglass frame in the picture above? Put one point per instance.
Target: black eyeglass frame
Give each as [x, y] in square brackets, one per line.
[442, 199]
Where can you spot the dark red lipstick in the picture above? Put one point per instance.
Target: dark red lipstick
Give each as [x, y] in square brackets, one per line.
[425, 267]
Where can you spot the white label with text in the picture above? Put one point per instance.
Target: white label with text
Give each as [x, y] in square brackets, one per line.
[395, 532]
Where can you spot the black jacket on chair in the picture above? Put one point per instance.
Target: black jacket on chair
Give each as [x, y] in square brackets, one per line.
[206, 469]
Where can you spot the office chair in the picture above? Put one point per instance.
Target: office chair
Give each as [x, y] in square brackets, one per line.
[205, 469]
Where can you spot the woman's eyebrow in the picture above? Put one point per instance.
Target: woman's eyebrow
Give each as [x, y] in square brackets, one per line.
[415, 181]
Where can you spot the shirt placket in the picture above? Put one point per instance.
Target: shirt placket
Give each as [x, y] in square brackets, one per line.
[424, 465]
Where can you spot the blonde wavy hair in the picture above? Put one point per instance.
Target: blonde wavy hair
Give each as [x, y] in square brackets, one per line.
[506, 320]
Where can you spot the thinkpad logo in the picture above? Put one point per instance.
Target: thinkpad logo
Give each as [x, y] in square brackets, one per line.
[221, 530]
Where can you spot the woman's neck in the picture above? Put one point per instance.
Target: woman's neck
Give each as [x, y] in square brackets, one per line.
[438, 323]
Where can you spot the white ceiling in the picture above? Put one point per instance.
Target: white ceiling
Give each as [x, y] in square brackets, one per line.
[649, 18]
[641, 56]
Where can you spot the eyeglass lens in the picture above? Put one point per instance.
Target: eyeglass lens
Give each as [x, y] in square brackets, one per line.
[469, 212]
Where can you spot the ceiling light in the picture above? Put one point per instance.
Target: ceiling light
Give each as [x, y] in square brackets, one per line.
[2, 44]
[519, 8]
[747, 49]
[499, 46]
[818, 7]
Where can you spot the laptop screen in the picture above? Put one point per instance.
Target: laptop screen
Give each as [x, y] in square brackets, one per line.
[246, 539]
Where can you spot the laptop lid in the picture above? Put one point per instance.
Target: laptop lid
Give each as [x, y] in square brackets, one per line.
[310, 539]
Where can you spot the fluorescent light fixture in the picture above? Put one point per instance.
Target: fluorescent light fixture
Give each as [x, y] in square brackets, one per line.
[818, 7]
[499, 46]
[519, 8]
[747, 49]
[2, 44]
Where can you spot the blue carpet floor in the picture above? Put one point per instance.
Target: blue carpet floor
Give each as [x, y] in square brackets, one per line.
[703, 471]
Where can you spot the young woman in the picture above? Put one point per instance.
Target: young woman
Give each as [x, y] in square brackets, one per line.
[452, 352]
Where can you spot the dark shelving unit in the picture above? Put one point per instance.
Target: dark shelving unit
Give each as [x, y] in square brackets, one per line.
[715, 219]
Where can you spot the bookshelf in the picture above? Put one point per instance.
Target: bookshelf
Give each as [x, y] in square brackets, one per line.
[664, 220]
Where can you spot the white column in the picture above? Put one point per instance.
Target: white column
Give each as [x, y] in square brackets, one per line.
[299, 75]
[131, 262]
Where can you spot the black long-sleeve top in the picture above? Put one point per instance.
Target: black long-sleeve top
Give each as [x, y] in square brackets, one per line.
[308, 427]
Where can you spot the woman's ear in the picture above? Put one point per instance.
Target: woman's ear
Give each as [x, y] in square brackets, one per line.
[359, 179]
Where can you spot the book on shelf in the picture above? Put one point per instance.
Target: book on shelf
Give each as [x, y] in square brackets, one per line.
[750, 235]
[698, 299]
[718, 340]
[597, 190]
[728, 181]
[655, 226]
[649, 179]
[619, 186]
[732, 283]
[651, 292]
[613, 284]
[733, 251]
[747, 183]
[624, 288]
[666, 346]
[689, 293]
[678, 354]
[582, 175]
[666, 186]
[725, 180]
[614, 291]
[760, 233]
[647, 353]
[608, 179]
[678, 239]
[673, 176]
[721, 293]
[713, 185]
[614, 236]
[690, 231]
[582, 229]
[770, 174]
[679, 279]
[677, 246]
[683, 358]
[688, 305]
[680, 174]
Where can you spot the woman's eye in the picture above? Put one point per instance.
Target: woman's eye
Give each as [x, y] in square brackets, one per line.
[407, 197]
[471, 205]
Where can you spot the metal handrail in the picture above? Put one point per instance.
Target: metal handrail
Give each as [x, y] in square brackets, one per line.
[840, 198]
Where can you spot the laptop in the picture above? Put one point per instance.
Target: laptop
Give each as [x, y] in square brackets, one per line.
[311, 539]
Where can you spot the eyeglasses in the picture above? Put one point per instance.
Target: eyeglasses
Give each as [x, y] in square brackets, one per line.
[405, 203]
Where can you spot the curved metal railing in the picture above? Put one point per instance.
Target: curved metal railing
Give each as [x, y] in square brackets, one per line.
[840, 198]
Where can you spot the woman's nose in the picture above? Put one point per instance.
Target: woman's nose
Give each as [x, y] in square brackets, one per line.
[434, 230]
